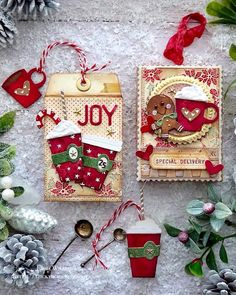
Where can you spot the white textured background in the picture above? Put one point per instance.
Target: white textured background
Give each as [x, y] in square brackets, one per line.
[128, 33]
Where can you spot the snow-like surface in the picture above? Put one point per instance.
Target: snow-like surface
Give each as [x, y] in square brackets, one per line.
[128, 33]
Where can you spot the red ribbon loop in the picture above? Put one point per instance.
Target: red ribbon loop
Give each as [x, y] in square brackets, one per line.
[184, 37]
[81, 55]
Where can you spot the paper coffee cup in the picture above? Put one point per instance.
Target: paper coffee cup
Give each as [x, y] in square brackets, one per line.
[144, 248]
[66, 147]
[99, 154]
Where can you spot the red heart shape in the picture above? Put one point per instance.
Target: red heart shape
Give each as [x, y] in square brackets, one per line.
[146, 154]
[213, 169]
[148, 127]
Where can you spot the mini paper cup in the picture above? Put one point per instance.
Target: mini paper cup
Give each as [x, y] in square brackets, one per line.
[144, 248]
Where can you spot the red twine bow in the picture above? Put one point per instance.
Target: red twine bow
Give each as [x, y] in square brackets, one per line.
[184, 37]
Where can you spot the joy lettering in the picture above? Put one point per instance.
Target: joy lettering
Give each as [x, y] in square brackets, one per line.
[94, 115]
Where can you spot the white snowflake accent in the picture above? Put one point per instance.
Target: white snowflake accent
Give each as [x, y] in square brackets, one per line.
[76, 176]
[72, 136]
[89, 173]
[111, 152]
[88, 151]
[67, 179]
[97, 179]
[59, 146]
[79, 168]
[68, 168]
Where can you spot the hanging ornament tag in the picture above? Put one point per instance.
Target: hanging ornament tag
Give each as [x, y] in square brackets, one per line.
[86, 164]
[22, 88]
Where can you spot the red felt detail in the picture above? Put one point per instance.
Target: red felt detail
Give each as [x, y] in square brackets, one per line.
[91, 176]
[146, 154]
[197, 123]
[109, 113]
[86, 116]
[184, 37]
[142, 267]
[92, 119]
[59, 145]
[213, 169]
[148, 127]
[22, 88]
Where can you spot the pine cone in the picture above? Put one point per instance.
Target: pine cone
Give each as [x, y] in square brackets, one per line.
[222, 283]
[30, 9]
[22, 260]
[30, 220]
[7, 29]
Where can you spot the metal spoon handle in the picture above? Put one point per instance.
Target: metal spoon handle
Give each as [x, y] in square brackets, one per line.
[92, 256]
[48, 272]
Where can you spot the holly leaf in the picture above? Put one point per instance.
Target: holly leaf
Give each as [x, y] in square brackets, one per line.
[194, 247]
[223, 254]
[187, 270]
[216, 223]
[206, 238]
[195, 268]
[222, 211]
[213, 239]
[172, 231]
[211, 261]
[8, 153]
[215, 8]
[195, 207]
[232, 51]
[7, 121]
[197, 226]
[5, 167]
[194, 235]
[4, 233]
[212, 195]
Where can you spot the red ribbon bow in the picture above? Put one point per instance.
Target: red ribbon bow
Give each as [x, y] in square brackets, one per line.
[184, 37]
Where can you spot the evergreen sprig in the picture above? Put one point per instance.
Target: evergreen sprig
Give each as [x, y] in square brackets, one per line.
[206, 220]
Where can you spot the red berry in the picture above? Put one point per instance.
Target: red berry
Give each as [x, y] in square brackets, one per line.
[183, 237]
[208, 208]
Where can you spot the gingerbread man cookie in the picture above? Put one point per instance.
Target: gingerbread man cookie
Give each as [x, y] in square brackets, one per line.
[162, 109]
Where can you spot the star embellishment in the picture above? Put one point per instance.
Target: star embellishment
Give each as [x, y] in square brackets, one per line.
[111, 152]
[78, 112]
[97, 179]
[89, 173]
[89, 151]
[79, 168]
[67, 179]
[68, 168]
[110, 132]
[76, 176]
[72, 136]
[59, 146]
[172, 91]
